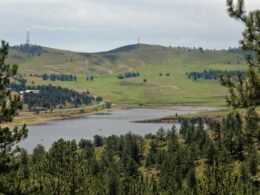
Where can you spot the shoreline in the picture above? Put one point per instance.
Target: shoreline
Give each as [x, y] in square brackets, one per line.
[206, 113]
[31, 119]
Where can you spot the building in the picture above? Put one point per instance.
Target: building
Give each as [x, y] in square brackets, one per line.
[30, 91]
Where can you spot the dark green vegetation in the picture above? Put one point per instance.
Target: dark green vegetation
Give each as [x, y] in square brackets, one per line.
[213, 74]
[33, 50]
[50, 97]
[45, 97]
[9, 106]
[61, 77]
[224, 159]
[128, 75]
[245, 92]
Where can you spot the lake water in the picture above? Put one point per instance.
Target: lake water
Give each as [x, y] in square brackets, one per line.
[116, 122]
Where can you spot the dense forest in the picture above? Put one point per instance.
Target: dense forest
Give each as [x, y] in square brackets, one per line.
[48, 96]
[220, 157]
[51, 96]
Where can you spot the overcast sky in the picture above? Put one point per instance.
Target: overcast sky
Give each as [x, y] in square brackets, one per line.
[98, 25]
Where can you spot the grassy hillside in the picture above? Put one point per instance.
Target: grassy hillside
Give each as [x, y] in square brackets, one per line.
[148, 60]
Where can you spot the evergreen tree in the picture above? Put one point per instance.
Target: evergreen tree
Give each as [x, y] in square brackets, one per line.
[152, 154]
[98, 140]
[24, 164]
[38, 153]
[191, 178]
[10, 105]
[112, 180]
[172, 140]
[243, 172]
[246, 91]
[252, 161]
[251, 128]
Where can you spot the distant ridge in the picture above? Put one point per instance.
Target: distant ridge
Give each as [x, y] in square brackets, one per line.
[121, 59]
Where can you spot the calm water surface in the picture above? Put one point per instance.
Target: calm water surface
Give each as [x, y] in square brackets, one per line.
[115, 122]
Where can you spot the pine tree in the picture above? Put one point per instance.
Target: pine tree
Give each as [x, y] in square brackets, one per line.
[25, 164]
[252, 161]
[172, 140]
[246, 91]
[243, 172]
[112, 181]
[152, 154]
[251, 128]
[191, 178]
[38, 153]
[10, 105]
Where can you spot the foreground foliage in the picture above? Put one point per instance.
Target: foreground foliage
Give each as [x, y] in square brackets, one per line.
[9, 106]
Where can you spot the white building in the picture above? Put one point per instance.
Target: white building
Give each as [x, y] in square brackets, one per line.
[30, 91]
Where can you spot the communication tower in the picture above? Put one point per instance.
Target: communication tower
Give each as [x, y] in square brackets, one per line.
[27, 38]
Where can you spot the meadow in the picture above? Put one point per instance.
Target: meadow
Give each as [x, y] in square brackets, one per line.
[149, 60]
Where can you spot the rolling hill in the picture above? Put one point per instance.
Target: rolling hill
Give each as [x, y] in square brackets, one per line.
[148, 60]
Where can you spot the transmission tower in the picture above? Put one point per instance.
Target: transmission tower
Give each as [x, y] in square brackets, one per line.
[27, 38]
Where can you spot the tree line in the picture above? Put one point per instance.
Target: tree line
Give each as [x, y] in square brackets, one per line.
[52, 96]
[128, 75]
[31, 50]
[214, 74]
[59, 77]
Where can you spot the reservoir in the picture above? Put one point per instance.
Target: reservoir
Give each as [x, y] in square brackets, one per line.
[117, 122]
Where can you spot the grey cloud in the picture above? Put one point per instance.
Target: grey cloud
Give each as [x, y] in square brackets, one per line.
[92, 25]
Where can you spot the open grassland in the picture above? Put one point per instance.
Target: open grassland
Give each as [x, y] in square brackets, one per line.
[149, 61]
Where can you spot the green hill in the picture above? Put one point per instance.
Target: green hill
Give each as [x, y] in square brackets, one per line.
[148, 60]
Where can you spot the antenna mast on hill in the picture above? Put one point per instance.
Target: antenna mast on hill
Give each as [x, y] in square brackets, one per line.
[28, 38]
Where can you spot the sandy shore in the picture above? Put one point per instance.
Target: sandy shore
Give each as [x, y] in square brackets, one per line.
[30, 118]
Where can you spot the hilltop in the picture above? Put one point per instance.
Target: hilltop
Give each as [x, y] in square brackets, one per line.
[122, 59]
[148, 60]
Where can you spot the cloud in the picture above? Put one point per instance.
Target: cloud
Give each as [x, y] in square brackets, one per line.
[50, 28]
[79, 24]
